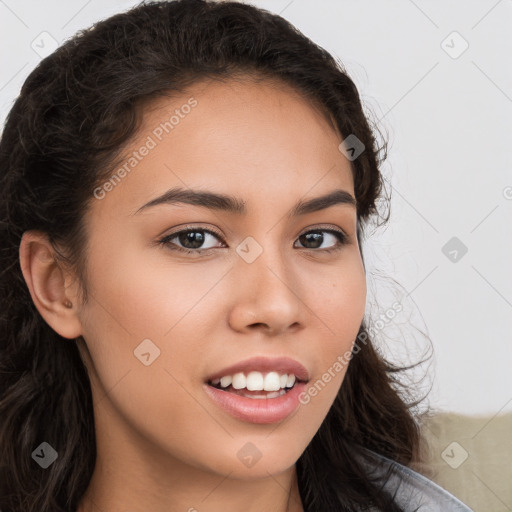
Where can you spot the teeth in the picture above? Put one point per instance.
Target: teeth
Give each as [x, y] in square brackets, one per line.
[272, 381]
[256, 381]
[225, 381]
[273, 394]
[239, 381]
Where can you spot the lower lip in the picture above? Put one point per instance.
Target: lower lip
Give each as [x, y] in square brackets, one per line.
[257, 410]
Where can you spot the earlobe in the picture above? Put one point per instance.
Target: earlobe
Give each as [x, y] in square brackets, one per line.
[45, 280]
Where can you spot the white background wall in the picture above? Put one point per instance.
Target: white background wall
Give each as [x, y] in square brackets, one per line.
[449, 123]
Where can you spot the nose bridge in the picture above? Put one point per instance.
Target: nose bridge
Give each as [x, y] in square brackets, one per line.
[266, 294]
[263, 259]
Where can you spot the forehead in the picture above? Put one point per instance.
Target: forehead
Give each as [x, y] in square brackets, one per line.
[248, 136]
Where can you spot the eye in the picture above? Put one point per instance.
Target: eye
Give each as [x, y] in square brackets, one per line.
[315, 238]
[192, 240]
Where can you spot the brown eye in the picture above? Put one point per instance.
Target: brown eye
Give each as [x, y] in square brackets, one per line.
[192, 240]
[189, 240]
[314, 239]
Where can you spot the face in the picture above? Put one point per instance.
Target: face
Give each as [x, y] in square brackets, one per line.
[168, 309]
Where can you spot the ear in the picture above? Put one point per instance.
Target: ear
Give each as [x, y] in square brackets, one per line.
[46, 281]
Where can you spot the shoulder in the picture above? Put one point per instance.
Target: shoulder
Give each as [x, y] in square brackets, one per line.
[414, 491]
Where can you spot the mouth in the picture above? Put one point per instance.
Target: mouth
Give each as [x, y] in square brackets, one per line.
[257, 385]
[260, 378]
[258, 407]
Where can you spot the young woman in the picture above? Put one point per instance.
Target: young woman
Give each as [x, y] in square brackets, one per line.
[184, 191]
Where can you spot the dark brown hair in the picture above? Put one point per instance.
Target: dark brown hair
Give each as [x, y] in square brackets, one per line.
[75, 113]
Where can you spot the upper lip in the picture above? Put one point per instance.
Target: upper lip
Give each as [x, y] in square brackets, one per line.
[262, 364]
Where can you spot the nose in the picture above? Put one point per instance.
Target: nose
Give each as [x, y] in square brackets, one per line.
[265, 298]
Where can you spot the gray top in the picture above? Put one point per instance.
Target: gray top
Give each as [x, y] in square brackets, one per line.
[416, 492]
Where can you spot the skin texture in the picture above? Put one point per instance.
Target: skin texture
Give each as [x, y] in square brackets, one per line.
[162, 444]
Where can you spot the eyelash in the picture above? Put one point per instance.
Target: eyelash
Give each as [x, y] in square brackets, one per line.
[343, 240]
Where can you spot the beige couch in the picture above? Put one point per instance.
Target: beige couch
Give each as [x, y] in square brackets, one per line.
[471, 456]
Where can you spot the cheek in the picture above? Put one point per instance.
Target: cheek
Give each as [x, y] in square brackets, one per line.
[341, 300]
[147, 297]
[156, 308]
[144, 310]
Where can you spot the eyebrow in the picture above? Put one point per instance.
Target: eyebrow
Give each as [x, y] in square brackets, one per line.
[223, 202]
